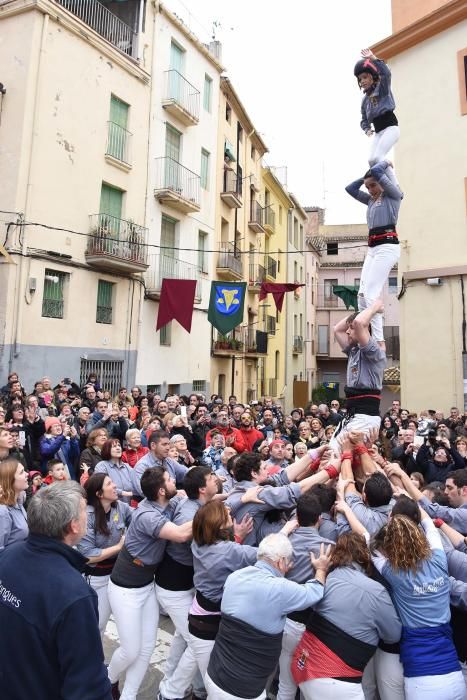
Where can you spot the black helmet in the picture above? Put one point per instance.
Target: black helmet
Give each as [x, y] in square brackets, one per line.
[365, 65]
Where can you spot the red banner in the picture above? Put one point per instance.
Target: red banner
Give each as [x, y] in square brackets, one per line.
[277, 290]
[176, 303]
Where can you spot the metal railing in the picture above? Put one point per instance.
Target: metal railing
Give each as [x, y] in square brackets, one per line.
[118, 142]
[271, 266]
[104, 314]
[179, 90]
[256, 213]
[168, 267]
[229, 258]
[171, 175]
[297, 343]
[255, 274]
[232, 183]
[52, 308]
[244, 340]
[330, 301]
[104, 22]
[117, 238]
[269, 217]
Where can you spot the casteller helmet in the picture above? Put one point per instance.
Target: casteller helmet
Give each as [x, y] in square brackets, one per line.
[366, 65]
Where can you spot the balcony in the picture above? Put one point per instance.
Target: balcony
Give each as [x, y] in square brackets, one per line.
[176, 186]
[167, 267]
[256, 274]
[271, 325]
[256, 217]
[270, 265]
[116, 244]
[232, 189]
[247, 341]
[269, 220]
[181, 98]
[118, 145]
[117, 31]
[330, 301]
[297, 347]
[229, 263]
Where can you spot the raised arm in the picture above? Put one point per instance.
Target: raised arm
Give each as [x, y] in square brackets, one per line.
[378, 172]
[354, 190]
[340, 333]
[362, 322]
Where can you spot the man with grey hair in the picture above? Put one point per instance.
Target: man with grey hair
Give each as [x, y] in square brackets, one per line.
[254, 607]
[47, 610]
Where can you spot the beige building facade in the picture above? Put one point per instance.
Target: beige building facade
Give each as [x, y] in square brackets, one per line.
[431, 51]
[73, 156]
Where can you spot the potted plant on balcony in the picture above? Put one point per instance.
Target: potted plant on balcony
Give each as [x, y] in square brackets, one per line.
[222, 343]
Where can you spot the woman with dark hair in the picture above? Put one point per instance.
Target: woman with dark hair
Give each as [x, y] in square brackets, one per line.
[105, 534]
[121, 473]
[13, 519]
[340, 639]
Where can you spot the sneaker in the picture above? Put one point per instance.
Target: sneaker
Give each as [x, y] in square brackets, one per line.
[115, 692]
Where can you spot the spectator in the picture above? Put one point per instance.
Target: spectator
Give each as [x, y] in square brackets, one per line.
[13, 519]
[92, 454]
[60, 442]
[436, 463]
[134, 451]
[233, 437]
[56, 471]
[184, 455]
[121, 474]
[51, 625]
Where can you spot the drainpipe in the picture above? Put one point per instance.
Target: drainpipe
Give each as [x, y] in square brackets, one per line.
[20, 273]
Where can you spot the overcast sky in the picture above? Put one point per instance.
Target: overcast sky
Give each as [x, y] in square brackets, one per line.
[292, 66]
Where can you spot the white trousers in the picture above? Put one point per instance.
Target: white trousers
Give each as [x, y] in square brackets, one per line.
[293, 632]
[383, 677]
[379, 262]
[360, 423]
[201, 650]
[331, 689]
[381, 144]
[101, 585]
[449, 686]
[181, 669]
[216, 693]
[136, 614]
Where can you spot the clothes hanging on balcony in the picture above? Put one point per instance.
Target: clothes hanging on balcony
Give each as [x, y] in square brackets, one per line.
[176, 303]
[278, 291]
[261, 342]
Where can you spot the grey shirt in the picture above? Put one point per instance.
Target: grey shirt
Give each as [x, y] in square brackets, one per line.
[383, 211]
[272, 496]
[372, 519]
[142, 539]
[122, 476]
[365, 365]
[177, 471]
[94, 542]
[455, 517]
[214, 562]
[328, 527]
[304, 540]
[184, 513]
[13, 524]
[359, 606]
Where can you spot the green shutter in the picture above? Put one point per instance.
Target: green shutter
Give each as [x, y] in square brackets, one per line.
[177, 56]
[118, 136]
[52, 300]
[207, 93]
[110, 209]
[202, 237]
[104, 302]
[118, 112]
[204, 169]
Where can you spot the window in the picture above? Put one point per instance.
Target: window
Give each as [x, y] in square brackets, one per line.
[165, 334]
[199, 385]
[207, 93]
[110, 208]
[253, 153]
[228, 112]
[173, 143]
[53, 296]
[177, 57]
[168, 245]
[301, 274]
[323, 340]
[239, 132]
[202, 257]
[330, 298]
[392, 285]
[391, 337]
[204, 169]
[118, 137]
[300, 240]
[109, 373]
[280, 214]
[332, 248]
[295, 232]
[104, 302]
[462, 70]
[356, 282]
[295, 274]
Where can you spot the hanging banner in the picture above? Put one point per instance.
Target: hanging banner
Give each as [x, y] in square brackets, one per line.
[226, 305]
[278, 291]
[176, 303]
[348, 294]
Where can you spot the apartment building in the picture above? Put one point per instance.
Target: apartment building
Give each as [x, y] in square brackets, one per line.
[181, 203]
[314, 217]
[428, 48]
[73, 165]
[342, 250]
[297, 389]
[240, 231]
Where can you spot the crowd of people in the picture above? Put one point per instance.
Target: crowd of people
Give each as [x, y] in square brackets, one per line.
[320, 571]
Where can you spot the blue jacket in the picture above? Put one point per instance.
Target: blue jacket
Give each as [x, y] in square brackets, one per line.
[49, 618]
[61, 447]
